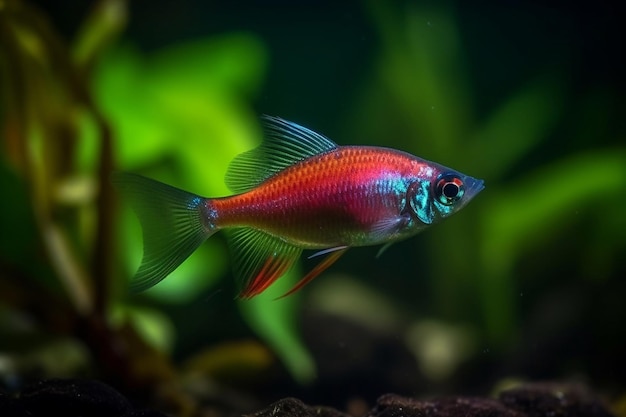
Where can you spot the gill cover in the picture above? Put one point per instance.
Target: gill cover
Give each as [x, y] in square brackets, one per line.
[419, 198]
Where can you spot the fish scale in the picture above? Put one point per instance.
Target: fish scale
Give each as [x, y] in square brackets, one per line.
[345, 200]
[298, 190]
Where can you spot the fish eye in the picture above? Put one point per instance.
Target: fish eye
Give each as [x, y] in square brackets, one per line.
[449, 188]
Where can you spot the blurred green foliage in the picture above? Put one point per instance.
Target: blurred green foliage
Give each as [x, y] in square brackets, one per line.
[72, 113]
[192, 121]
[420, 77]
[179, 115]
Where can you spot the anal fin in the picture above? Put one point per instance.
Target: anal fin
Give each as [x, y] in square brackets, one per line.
[259, 259]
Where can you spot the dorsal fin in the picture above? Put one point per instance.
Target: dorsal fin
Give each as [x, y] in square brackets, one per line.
[285, 143]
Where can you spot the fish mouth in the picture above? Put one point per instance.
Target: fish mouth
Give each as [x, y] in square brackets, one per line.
[479, 185]
[475, 186]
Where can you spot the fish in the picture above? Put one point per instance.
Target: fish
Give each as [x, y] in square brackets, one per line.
[298, 190]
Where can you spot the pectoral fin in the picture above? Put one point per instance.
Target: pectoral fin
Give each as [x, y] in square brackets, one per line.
[383, 249]
[326, 251]
[321, 267]
[387, 228]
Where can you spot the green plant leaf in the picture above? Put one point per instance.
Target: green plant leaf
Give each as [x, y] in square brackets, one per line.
[275, 321]
[420, 65]
[180, 113]
[516, 126]
[540, 203]
[526, 214]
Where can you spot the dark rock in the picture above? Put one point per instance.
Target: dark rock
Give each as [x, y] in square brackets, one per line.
[554, 400]
[76, 398]
[291, 407]
[9, 406]
[392, 405]
[532, 400]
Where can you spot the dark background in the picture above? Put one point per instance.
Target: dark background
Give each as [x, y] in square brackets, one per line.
[551, 307]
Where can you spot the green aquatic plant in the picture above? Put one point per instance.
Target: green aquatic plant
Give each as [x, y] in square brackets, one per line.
[73, 112]
[71, 115]
[430, 109]
[193, 121]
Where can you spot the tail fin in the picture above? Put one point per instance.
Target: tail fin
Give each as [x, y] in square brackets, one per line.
[174, 224]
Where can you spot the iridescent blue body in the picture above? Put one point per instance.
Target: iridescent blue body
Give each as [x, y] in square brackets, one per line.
[298, 190]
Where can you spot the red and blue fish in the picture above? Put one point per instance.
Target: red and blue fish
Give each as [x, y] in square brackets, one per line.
[298, 190]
